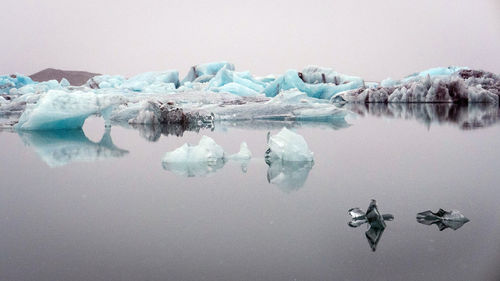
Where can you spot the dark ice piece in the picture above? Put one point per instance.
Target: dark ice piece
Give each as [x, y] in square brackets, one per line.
[375, 221]
[443, 219]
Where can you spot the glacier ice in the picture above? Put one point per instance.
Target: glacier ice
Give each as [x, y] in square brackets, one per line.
[13, 81]
[59, 148]
[204, 158]
[216, 92]
[61, 110]
[204, 72]
[458, 85]
[316, 82]
[287, 146]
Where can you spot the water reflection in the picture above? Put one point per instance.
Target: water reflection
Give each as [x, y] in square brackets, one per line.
[153, 132]
[465, 117]
[288, 176]
[443, 219]
[375, 221]
[61, 147]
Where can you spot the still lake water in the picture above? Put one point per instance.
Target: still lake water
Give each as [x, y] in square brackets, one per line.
[64, 216]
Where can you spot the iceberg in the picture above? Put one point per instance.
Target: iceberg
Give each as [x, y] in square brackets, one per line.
[147, 82]
[207, 151]
[13, 81]
[215, 92]
[375, 221]
[61, 110]
[202, 159]
[287, 146]
[243, 155]
[316, 82]
[443, 219]
[450, 85]
[205, 72]
[58, 148]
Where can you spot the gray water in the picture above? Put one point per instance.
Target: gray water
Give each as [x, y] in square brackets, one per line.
[75, 207]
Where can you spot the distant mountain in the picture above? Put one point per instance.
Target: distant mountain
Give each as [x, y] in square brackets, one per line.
[75, 78]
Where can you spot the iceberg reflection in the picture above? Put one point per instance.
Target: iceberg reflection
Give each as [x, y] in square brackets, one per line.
[465, 117]
[375, 221]
[61, 147]
[287, 175]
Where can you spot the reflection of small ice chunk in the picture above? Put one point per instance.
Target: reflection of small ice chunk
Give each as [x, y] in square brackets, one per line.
[194, 169]
[207, 151]
[443, 219]
[287, 146]
[288, 176]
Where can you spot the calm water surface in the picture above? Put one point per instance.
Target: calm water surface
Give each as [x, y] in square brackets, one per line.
[75, 207]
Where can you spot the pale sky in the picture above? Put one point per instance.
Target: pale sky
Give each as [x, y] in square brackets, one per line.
[372, 39]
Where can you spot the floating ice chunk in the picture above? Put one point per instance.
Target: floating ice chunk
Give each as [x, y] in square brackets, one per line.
[443, 219]
[309, 82]
[207, 71]
[59, 148]
[243, 154]
[289, 176]
[61, 110]
[207, 151]
[195, 160]
[14, 81]
[287, 146]
[376, 222]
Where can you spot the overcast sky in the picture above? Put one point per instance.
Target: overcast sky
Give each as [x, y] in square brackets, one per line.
[372, 39]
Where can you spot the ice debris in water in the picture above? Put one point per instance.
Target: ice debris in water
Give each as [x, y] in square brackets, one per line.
[202, 159]
[59, 148]
[287, 146]
[376, 222]
[443, 219]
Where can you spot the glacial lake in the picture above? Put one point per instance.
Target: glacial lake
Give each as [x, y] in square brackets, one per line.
[99, 205]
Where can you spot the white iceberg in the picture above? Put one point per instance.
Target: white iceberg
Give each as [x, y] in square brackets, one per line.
[202, 159]
[207, 151]
[287, 146]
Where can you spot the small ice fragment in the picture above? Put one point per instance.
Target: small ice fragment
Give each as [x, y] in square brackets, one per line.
[443, 219]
